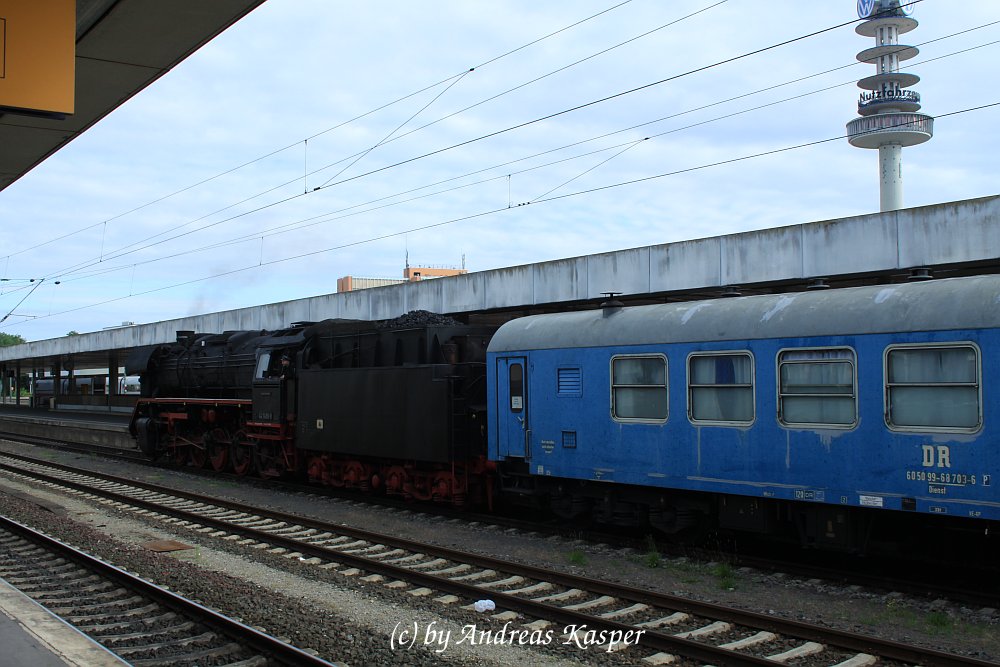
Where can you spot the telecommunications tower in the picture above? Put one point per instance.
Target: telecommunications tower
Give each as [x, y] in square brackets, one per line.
[889, 118]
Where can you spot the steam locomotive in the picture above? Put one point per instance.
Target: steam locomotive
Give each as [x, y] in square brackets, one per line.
[395, 406]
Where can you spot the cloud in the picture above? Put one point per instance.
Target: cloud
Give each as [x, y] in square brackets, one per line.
[298, 69]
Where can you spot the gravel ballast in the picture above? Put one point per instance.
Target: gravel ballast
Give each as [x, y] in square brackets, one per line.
[347, 620]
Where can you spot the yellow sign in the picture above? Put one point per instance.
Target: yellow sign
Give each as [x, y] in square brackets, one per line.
[38, 55]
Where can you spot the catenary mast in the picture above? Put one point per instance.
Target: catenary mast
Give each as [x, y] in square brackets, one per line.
[889, 119]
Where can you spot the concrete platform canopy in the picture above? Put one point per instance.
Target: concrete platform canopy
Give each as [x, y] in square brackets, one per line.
[959, 238]
[121, 48]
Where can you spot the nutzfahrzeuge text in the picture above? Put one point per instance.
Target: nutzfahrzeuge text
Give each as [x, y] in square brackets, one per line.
[438, 638]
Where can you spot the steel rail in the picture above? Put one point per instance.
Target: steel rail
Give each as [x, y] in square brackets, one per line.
[254, 639]
[982, 595]
[651, 639]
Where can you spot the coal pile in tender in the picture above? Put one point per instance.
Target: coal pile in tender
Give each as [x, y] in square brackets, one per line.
[416, 319]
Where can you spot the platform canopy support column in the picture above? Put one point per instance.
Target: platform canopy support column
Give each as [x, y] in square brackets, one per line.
[56, 381]
[112, 375]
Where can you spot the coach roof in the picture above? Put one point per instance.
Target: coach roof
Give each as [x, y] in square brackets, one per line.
[954, 303]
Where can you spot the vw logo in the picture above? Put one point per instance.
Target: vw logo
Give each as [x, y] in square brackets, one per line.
[865, 8]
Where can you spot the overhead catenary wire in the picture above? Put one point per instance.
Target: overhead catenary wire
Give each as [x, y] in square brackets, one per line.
[566, 67]
[537, 202]
[140, 244]
[490, 212]
[592, 103]
[136, 248]
[23, 299]
[677, 129]
[326, 131]
[284, 228]
[603, 162]
[398, 127]
[326, 217]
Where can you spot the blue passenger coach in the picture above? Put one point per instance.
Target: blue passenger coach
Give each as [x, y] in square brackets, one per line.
[811, 410]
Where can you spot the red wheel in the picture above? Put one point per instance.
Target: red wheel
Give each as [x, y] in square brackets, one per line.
[356, 476]
[241, 453]
[198, 456]
[217, 444]
[317, 470]
[443, 486]
[396, 480]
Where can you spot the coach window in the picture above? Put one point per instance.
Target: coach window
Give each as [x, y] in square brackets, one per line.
[720, 388]
[639, 388]
[933, 387]
[817, 387]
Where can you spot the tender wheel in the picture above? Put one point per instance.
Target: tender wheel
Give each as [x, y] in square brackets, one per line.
[317, 470]
[397, 481]
[241, 453]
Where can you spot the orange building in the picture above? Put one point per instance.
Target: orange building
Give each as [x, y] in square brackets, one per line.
[410, 274]
[413, 273]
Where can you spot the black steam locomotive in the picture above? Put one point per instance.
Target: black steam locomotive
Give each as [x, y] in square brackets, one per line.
[398, 406]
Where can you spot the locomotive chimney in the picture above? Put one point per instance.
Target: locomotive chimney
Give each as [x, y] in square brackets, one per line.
[185, 337]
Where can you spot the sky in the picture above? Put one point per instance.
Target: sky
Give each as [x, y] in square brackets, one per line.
[317, 139]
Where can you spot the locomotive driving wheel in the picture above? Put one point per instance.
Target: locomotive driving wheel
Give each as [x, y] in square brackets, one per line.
[241, 453]
[198, 455]
[217, 445]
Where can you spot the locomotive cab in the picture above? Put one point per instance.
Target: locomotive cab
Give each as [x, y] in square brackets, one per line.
[273, 390]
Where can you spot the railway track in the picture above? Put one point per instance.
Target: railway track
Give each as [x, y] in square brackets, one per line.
[654, 628]
[143, 624]
[971, 586]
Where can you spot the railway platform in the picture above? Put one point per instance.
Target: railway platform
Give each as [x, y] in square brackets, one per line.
[10, 409]
[86, 428]
[31, 635]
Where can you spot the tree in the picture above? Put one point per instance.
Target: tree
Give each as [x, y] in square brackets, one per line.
[10, 339]
[73, 333]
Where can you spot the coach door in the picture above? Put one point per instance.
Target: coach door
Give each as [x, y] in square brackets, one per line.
[512, 407]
